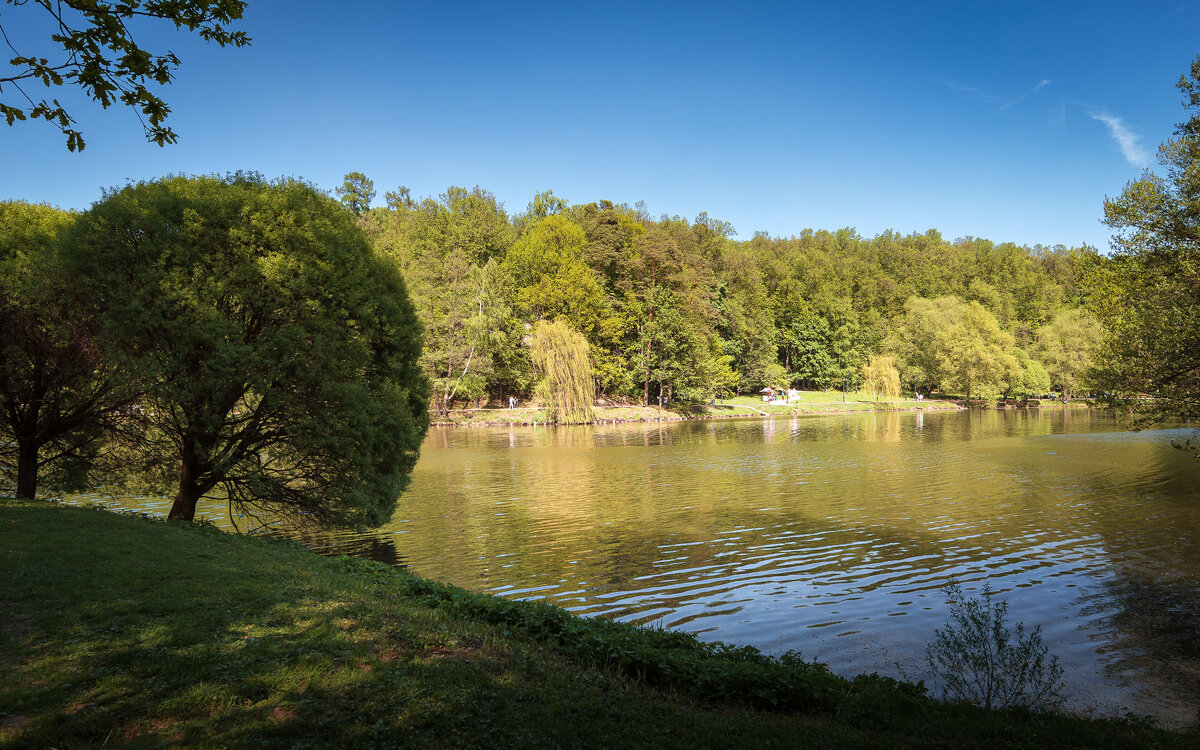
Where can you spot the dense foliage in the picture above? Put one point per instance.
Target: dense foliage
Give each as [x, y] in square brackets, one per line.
[58, 396]
[674, 310]
[1152, 287]
[275, 352]
[565, 386]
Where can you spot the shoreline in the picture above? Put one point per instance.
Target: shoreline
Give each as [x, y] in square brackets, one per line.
[263, 643]
[536, 417]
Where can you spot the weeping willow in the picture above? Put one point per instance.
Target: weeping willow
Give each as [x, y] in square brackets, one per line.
[565, 385]
[881, 376]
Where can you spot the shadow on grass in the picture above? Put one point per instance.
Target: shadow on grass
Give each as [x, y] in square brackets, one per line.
[118, 630]
[189, 638]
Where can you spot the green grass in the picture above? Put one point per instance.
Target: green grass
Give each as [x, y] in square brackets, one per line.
[119, 630]
[809, 402]
[820, 402]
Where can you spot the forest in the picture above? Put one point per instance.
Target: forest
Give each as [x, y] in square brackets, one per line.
[677, 311]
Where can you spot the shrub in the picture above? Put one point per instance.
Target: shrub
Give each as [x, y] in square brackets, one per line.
[979, 659]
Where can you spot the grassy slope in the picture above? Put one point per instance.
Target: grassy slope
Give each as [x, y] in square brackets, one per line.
[119, 630]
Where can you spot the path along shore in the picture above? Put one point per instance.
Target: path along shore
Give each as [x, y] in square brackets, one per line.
[534, 415]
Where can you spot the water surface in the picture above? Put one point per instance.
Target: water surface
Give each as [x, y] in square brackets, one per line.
[834, 535]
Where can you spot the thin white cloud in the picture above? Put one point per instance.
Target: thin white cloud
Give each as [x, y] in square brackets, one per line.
[1041, 84]
[999, 102]
[979, 93]
[1127, 140]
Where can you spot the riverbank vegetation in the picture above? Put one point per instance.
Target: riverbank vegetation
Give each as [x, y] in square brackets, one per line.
[680, 311]
[1149, 292]
[801, 403]
[253, 338]
[140, 632]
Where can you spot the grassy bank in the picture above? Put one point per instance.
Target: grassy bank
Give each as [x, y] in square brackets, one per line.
[808, 403]
[120, 630]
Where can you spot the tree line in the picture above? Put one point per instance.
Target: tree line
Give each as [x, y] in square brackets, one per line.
[676, 310]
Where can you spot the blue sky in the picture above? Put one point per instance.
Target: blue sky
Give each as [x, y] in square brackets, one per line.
[1009, 121]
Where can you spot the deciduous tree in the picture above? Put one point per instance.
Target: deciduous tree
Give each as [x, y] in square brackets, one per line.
[1065, 347]
[881, 377]
[1149, 294]
[94, 48]
[58, 395]
[975, 355]
[1033, 381]
[565, 384]
[278, 354]
[449, 251]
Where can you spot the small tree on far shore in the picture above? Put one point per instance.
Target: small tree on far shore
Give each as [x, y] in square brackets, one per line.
[565, 384]
[881, 377]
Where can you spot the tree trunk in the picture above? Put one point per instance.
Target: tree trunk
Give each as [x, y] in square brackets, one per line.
[27, 469]
[646, 381]
[184, 507]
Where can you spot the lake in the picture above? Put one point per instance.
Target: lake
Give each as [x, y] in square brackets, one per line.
[833, 535]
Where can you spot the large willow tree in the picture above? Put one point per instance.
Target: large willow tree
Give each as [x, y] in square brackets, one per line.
[881, 377]
[565, 385]
[277, 353]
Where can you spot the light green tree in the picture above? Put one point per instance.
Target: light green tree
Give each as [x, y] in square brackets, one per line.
[276, 351]
[716, 376]
[957, 345]
[565, 384]
[1066, 345]
[975, 356]
[544, 204]
[881, 377]
[1033, 381]
[915, 337]
[551, 278]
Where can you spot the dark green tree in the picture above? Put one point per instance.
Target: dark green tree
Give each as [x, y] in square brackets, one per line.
[356, 192]
[278, 354]
[94, 48]
[58, 396]
[808, 343]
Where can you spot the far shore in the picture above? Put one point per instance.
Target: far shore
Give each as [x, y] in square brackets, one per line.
[740, 407]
